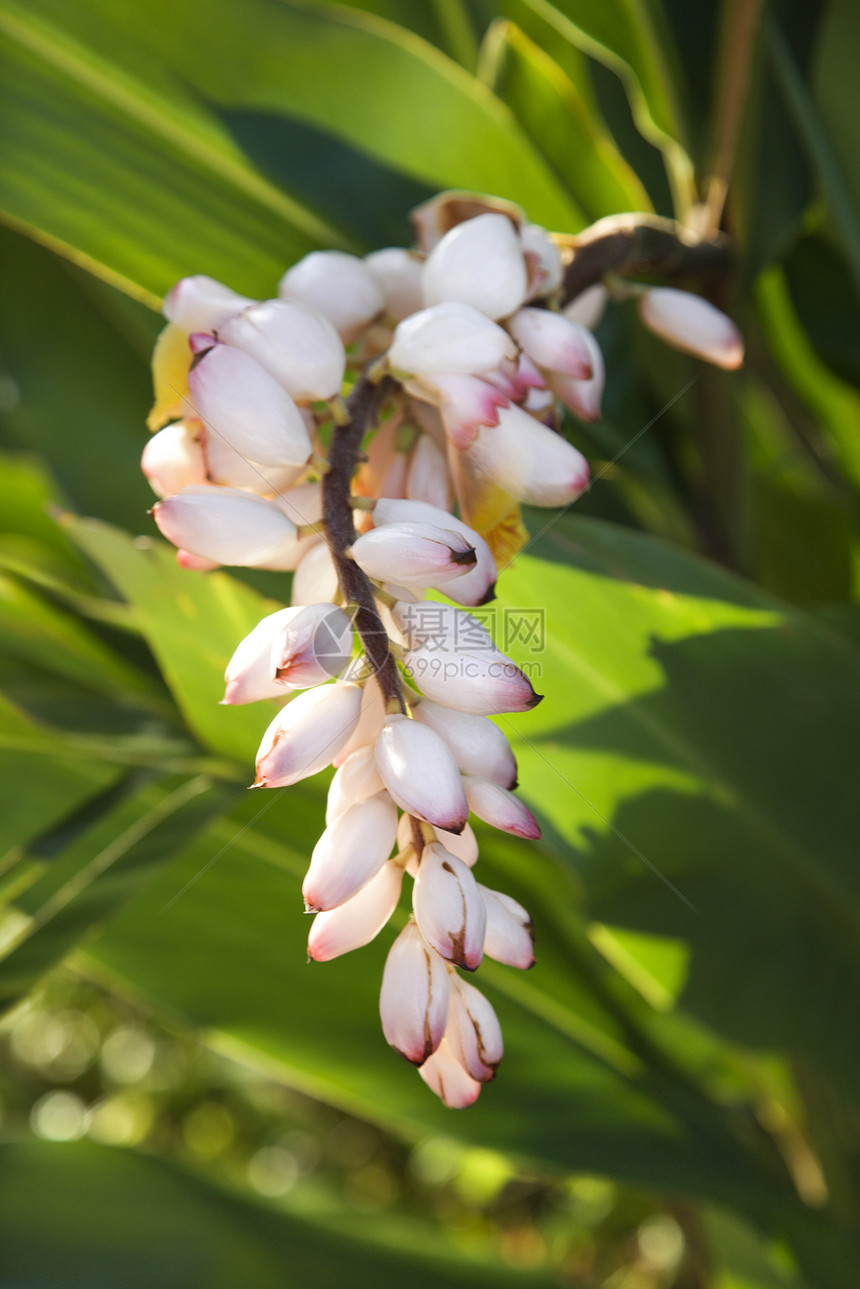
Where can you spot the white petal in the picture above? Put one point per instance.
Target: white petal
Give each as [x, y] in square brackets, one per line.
[359, 920]
[398, 274]
[428, 478]
[474, 1033]
[356, 779]
[313, 646]
[297, 346]
[479, 263]
[479, 746]
[369, 724]
[224, 465]
[530, 461]
[500, 808]
[588, 307]
[413, 1001]
[445, 1076]
[539, 245]
[201, 304]
[465, 402]
[552, 341]
[583, 397]
[484, 683]
[472, 588]
[421, 774]
[249, 671]
[690, 323]
[448, 907]
[509, 937]
[315, 578]
[173, 459]
[307, 734]
[339, 286]
[449, 337]
[350, 852]
[227, 526]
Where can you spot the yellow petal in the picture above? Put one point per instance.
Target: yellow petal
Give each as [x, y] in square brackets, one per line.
[171, 360]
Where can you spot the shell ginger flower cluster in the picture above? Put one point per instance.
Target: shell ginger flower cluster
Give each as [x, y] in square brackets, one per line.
[333, 431]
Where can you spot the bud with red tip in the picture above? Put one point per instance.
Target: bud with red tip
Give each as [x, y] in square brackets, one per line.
[350, 852]
[500, 808]
[307, 734]
[421, 774]
[358, 920]
[227, 526]
[692, 324]
[411, 554]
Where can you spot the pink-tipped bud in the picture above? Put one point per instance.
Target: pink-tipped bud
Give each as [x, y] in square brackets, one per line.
[359, 920]
[195, 563]
[473, 1032]
[307, 734]
[313, 646]
[350, 852]
[583, 397]
[479, 747]
[421, 774]
[500, 808]
[465, 403]
[315, 578]
[692, 324]
[445, 1076]
[479, 263]
[449, 337]
[356, 779]
[448, 907]
[588, 307]
[249, 673]
[530, 461]
[227, 526]
[484, 683]
[474, 587]
[413, 1001]
[339, 286]
[398, 274]
[412, 554]
[201, 304]
[427, 478]
[240, 402]
[509, 937]
[173, 459]
[552, 342]
[298, 347]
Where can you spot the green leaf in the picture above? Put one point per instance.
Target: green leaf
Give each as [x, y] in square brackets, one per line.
[192, 623]
[78, 1214]
[562, 122]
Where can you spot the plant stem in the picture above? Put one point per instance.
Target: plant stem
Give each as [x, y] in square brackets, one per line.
[741, 23]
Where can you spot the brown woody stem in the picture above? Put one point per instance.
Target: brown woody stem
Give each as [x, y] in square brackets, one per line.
[363, 406]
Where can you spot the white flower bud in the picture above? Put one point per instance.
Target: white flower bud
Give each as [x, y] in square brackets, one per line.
[479, 747]
[356, 779]
[195, 563]
[484, 683]
[448, 907]
[449, 337]
[307, 734]
[398, 274]
[369, 723]
[583, 397]
[480, 263]
[315, 578]
[413, 554]
[413, 1001]
[465, 403]
[227, 526]
[350, 852]
[226, 466]
[249, 673]
[298, 347]
[312, 646]
[421, 774]
[339, 286]
[201, 304]
[241, 403]
[445, 1076]
[530, 461]
[173, 459]
[551, 341]
[692, 324]
[541, 250]
[473, 588]
[359, 920]
[473, 1033]
[588, 307]
[509, 936]
[500, 808]
[428, 478]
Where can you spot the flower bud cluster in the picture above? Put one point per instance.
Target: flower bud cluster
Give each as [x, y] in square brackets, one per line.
[468, 340]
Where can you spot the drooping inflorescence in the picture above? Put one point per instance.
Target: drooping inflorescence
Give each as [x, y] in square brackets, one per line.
[331, 432]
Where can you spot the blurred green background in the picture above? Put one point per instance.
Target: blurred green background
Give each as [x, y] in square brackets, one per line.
[183, 1100]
